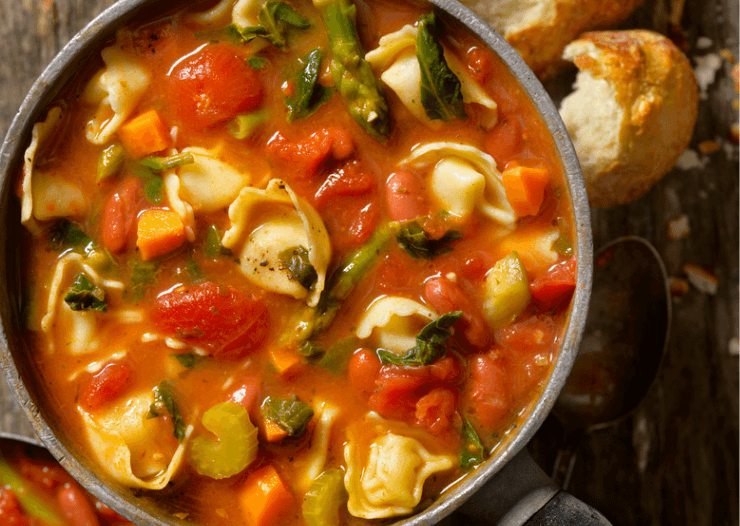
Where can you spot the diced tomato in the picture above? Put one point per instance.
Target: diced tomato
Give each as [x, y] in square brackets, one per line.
[212, 86]
[106, 385]
[303, 157]
[556, 285]
[350, 179]
[436, 410]
[505, 141]
[119, 215]
[364, 367]
[246, 394]
[396, 274]
[11, 513]
[43, 474]
[76, 506]
[486, 397]
[476, 265]
[351, 221]
[446, 296]
[405, 195]
[108, 515]
[479, 63]
[230, 322]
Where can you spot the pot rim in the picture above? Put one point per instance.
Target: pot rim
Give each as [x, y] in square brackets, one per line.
[121, 499]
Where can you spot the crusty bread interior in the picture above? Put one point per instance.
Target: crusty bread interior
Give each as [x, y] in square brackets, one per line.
[511, 16]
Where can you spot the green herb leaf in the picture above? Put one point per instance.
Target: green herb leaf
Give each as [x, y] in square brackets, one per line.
[83, 295]
[472, 451]
[431, 343]
[243, 126]
[289, 413]
[65, 234]
[212, 247]
[256, 62]
[165, 401]
[295, 260]
[441, 95]
[419, 244]
[192, 268]
[142, 275]
[189, 360]
[309, 94]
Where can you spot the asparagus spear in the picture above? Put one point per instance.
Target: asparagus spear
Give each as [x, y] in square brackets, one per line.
[353, 76]
[31, 503]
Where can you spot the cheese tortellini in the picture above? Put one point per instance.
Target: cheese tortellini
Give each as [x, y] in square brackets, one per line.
[395, 57]
[266, 222]
[243, 13]
[124, 440]
[393, 323]
[464, 179]
[392, 479]
[116, 90]
[209, 184]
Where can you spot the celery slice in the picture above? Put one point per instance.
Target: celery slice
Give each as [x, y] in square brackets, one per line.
[321, 502]
[506, 290]
[235, 448]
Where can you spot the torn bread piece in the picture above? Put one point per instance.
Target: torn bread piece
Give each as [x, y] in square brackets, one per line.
[632, 114]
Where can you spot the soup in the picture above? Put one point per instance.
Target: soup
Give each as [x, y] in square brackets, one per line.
[274, 279]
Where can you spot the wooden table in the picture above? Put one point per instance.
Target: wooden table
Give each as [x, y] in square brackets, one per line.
[675, 461]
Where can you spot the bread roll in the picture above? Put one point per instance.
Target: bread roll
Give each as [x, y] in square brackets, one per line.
[633, 111]
[540, 29]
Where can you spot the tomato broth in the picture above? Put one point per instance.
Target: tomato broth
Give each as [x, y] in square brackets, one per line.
[294, 264]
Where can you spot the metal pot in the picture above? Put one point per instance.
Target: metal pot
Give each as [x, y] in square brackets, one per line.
[508, 488]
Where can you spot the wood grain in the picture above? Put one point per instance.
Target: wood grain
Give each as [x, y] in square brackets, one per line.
[675, 461]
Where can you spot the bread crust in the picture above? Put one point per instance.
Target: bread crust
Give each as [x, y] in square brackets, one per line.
[655, 86]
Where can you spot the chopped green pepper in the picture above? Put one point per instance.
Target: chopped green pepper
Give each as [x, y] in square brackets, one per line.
[322, 501]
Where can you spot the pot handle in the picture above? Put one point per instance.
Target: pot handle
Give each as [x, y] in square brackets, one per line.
[521, 493]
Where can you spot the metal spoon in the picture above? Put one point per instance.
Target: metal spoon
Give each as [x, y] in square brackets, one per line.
[625, 338]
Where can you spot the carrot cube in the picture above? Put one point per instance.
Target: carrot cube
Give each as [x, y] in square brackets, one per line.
[273, 432]
[159, 232]
[145, 134]
[525, 188]
[265, 498]
[285, 360]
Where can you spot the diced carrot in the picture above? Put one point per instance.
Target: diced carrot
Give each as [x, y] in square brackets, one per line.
[273, 432]
[525, 188]
[265, 497]
[145, 134]
[285, 360]
[159, 232]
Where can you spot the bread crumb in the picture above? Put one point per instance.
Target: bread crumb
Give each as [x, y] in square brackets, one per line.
[733, 347]
[706, 71]
[704, 43]
[702, 279]
[708, 147]
[689, 160]
[181, 515]
[727, 55]
[679, 228]
[678, 286]
[734, 133]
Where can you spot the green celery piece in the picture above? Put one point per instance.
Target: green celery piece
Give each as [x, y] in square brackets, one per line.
[472, 452]
[309, 94]
[30, 502]
[164, 399]
[431, 343]
[244, 126]
[418, 244]
[506, 290]
[289, 413]
[84, 295]
[322, 501]
[353, 77]
[441, 93]
[295, 259]
[235, 446]
[110, 161]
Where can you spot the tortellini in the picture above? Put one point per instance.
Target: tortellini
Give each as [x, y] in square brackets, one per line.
[464, 179]
[266, 222]
[209, 184]
[392, 479]
[395, 56]
[124, 440]
[318, 449]
[80, 327]
[116, 90]
[244, 13]
[394, 322]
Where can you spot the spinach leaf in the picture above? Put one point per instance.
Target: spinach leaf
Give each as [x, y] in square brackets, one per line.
[149, 168]
[472, 451]
[83, 295]
[165, 401]
[189, 360]
[142, 275]
[295, 260]
[65, 234]
[431, 343]
[256, 62]
[419, 244]
[289, 413]
[334, 359]
[193, 270]
[309, 94]
[310, 350]
[213, 247]
[441, 94]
